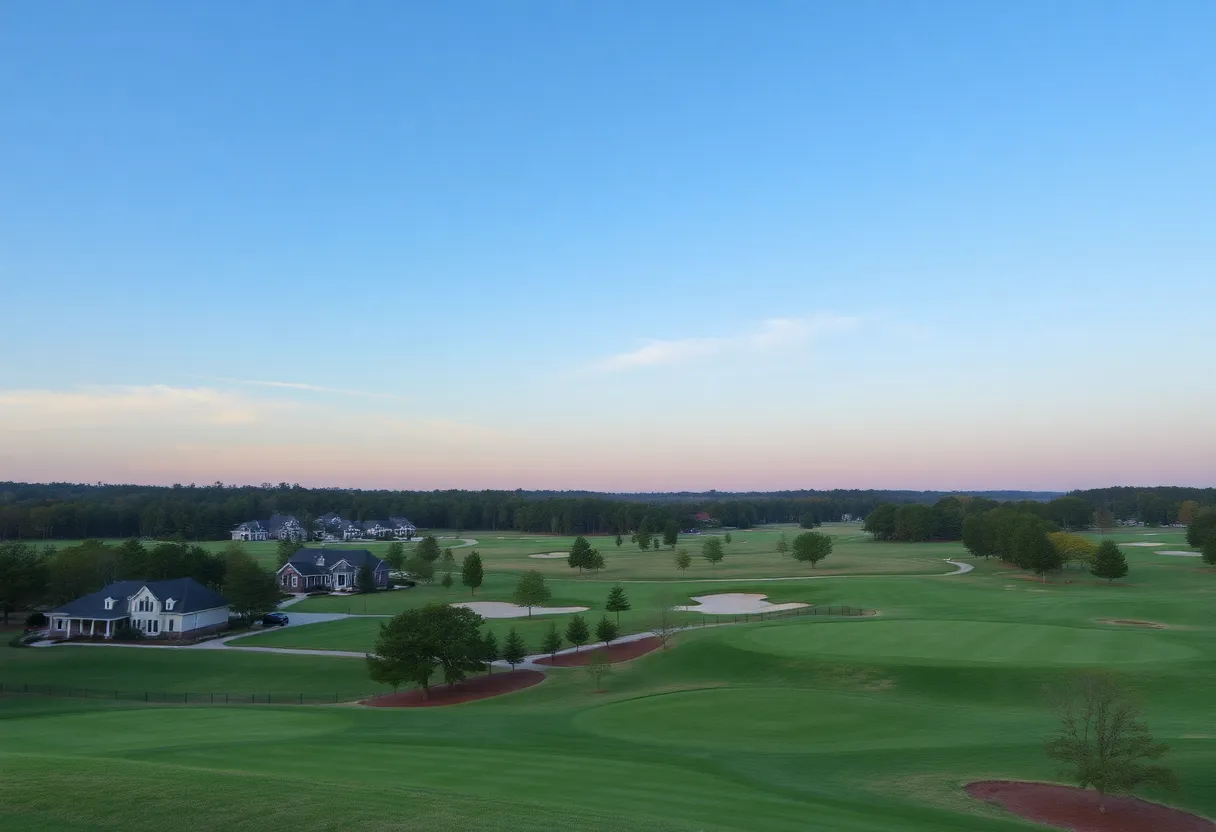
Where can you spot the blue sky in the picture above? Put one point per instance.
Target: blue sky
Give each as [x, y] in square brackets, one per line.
[628, 245]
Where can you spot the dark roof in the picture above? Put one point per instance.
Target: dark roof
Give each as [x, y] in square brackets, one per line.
[190, 595]
[278, 521]
[305, 560]
[251, 525]
[400, 521]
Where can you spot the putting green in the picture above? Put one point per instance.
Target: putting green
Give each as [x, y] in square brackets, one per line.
[768, 719]
[965, 641]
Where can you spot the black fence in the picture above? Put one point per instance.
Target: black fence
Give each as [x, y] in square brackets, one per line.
[193, 698]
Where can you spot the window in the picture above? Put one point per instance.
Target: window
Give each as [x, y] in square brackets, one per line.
[169, 625]
[58, 623]
[169, 603]
[295, 581]
[109, 603]
[153, 625]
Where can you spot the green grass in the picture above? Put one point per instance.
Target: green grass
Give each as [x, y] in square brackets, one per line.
[856, 725]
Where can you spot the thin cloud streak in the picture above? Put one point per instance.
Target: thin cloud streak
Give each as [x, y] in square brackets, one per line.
[311, 388]
[772, 334]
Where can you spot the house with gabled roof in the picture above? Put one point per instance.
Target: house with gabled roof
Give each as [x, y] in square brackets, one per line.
[312, 569]
[250, 530]
[285, 527]
[158, 609]
[402, 527]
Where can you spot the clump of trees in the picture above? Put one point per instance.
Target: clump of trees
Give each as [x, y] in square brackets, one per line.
[1102, 740]
[582, 556]
[417, 643]
[1021, 539]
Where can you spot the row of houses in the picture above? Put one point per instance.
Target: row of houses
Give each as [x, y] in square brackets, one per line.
[326, 527]
[184, 608]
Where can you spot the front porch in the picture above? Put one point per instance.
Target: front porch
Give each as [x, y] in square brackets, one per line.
[62, 626]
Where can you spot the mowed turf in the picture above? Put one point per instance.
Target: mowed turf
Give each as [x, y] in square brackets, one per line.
[856, 725]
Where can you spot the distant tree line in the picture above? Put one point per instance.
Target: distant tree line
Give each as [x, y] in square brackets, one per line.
[189, 512]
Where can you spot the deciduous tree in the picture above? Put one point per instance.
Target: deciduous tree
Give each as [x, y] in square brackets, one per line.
[1202, 528]
[420, 568]
[1104, 520]
[1102, 739]
[643, 538]
[394, 556]
[23, 577]
[683, 560]
[1208, 552]
[471, 572]
[1109, 561]
[617, 602]
[712, 551]
[415, 643]
[596, 562]
[783, 545]
[726, 538]
[1073, 548]
[598, 669]
[619, 541]
[812, 547]
[577, 631]
[531, 590]
[251, 590]
[286, 548]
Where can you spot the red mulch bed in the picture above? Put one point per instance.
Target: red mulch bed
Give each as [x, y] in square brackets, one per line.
[1077, 809]
[479, 687]
[622, 652]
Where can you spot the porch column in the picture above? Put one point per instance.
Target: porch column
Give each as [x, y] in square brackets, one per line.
[108, 623]
[92, 623]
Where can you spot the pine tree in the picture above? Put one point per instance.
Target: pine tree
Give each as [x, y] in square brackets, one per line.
[577, 632]
[447, 580]
[619, 541]
[1109, 563]
[513, 649]
[617, 602]
[489, 650]
[606, 630]
[580, 554]
[552, 641]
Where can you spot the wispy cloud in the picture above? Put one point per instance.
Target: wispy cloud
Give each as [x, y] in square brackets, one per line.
[771, 334]
[124, 405]
[311, 388]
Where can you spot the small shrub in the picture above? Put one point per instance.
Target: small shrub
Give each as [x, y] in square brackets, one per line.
[128, 633]
[36, 620]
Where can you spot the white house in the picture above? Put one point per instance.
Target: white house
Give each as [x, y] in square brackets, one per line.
[158, 609]
[253, 530]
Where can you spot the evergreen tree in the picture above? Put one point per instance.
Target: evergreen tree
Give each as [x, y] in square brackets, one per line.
[428, 548]
[552, 641]
[619, 541]
[471, 572]
[617, 602]
[580, 554]
[489, 650]
[726, 537]
[606, 630]
[577, 631]
[643, 538]
[596, 561]
[671, 533]
[448, 562]
[531, 591]
[1109, 563]
[513, 649]
[367, 579]
[447, 580]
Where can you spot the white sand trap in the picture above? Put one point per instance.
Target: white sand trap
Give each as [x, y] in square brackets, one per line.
[1141, 544]
[551, 555]
[1178, 553]
[501, 609]
[735, 603]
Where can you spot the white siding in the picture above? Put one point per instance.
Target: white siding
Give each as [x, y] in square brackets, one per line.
[205, 618]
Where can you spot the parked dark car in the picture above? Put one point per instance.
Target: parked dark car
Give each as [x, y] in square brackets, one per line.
[274, 619]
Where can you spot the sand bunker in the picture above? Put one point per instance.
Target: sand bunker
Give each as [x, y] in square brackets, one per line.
[551, 555]
[735, 603]
[1178, 553]
[501, 609]
[1077, 809]
[1132, 622]
[1141, 544]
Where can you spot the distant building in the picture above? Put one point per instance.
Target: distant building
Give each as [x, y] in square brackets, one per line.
[252, 530]
[285, 527]
[311, 569]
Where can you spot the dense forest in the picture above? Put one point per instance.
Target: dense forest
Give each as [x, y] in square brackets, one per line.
[189, 512]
